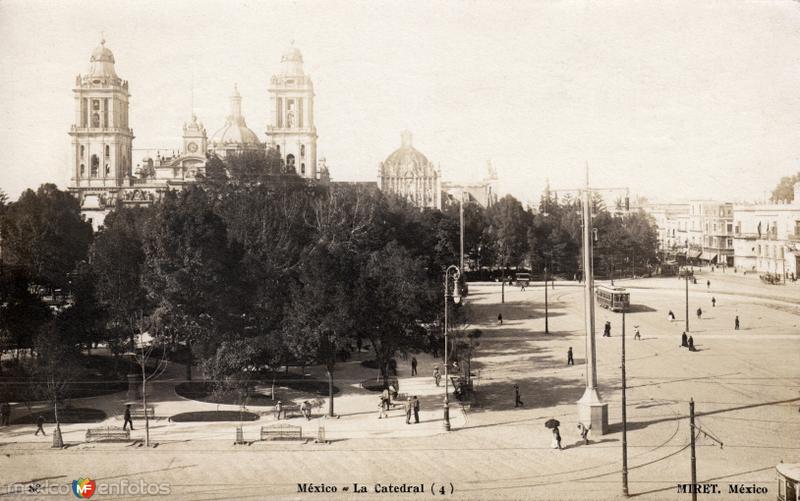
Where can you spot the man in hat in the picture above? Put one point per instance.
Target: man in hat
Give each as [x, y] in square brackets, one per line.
[279, 410]
[436, 376]
[413, 366]
[40, 425]
[416, 410]
[408, 409]
[684, 340]
[517, 401]
[127, 418]
[736, 323]
[570, 360]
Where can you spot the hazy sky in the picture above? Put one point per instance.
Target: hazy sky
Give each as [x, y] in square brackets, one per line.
[674, 99]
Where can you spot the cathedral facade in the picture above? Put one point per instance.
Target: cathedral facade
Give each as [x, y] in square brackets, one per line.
[101, 166]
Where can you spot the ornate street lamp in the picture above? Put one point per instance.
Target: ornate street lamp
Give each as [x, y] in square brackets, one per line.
[456, 299]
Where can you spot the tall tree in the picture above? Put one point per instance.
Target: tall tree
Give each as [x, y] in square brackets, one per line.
[117, 263]
[43, 232]
[193, 272]
[785, 188]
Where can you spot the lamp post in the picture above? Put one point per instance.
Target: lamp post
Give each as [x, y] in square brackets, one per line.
[456, 299]
[624, 415]
[546, 323]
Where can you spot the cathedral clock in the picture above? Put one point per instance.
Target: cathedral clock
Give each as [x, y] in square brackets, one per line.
[192, 147]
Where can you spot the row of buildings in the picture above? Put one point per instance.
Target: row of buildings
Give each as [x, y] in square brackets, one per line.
[102, 171]
[763, 238]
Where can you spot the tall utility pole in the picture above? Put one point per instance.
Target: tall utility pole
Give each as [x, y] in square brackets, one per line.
[461, 226]
[592, 411]
[694, 461]
[624, 416]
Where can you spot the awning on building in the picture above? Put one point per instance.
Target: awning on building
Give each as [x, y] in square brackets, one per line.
[693, 254]
[707, 256]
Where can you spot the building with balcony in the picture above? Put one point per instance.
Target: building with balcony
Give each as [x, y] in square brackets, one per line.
[766, 237]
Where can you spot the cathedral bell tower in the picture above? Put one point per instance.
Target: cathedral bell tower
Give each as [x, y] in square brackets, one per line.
[101, 137]
[292, 108]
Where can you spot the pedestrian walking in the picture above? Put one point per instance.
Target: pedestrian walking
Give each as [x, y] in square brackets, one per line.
[671, 316]
[279, 410]
[708, 284]
[500, 318]
[358, 344]
[517, 401]
[684, 341]
[127, 418]
[637, 336]
[713, 302]
[436, 376]
[6, 414]
[413, 366]
[691, 343]
[385, 398]
[607, 329]
[408, 408]
[736, 323]
[416, 409]
[556, 438]
[382, 409]
[584, 430]
[699, 313]
[570, 360]
[305, 409]
[40, 425]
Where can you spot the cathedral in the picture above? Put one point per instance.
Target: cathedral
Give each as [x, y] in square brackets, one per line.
[101, 166]
[409, 173]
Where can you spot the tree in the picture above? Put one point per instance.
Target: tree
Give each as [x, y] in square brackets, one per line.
[785, 188]
[193, 271]
[145, 352]
[508, 228]
[22, 313]
[117, 263]
[43, 233]
[393, 300]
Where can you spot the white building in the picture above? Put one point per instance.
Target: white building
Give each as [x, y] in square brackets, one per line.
[101, 173]
[293, 134]
[409, 173]
[767, 237]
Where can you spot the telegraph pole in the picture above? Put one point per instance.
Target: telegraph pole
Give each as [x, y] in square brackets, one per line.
[461, 223]
[624, 417]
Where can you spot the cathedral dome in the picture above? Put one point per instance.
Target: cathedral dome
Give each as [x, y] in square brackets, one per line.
[102, 62]
[407, 161]
[235, 133]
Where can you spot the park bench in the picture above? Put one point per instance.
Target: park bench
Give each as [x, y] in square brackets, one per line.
[281, 432]
[139, 412]
[107, 434]
[289, 410]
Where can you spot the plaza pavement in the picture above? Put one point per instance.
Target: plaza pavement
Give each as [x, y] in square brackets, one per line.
[746, 385]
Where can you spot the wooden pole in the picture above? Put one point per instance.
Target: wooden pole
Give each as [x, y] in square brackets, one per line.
[624, 417]
[694, 460]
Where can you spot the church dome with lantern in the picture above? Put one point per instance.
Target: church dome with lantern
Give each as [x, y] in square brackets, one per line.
[407, 172]
[234, 135]
[102, 62]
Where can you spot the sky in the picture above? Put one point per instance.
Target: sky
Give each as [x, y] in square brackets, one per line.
[674, 100]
